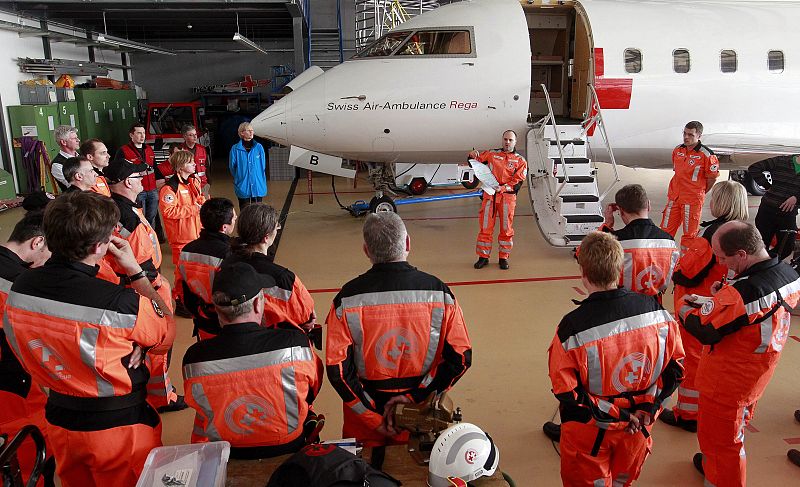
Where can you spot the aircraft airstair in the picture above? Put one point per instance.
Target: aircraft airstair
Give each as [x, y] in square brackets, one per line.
[562, 177]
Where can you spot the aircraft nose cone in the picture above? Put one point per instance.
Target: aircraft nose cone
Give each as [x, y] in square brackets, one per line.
[271, 123]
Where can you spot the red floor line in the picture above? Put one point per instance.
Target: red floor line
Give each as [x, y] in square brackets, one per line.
[579, 290]
[752, 428]
[792, 441]
[477, 283]
[794, 338]
[456, 217]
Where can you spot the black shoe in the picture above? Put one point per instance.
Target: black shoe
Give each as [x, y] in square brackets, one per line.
[176, 405]
[481, 263]
[503, 264]
[794, 456]
[667, 416]
[797, 415]
[552, 431]
[698, 463]
[181, 310]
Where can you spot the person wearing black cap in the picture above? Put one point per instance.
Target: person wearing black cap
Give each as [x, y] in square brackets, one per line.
[125, 181]
[251, 386]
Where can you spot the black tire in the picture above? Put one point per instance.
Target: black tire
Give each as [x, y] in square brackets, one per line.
[471, 184]
[382, 204]
[752, 186]
[417, 186]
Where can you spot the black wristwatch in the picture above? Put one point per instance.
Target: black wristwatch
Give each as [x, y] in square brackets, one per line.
[136, 277]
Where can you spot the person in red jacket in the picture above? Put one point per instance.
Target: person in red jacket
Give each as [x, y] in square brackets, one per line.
[696, 272]
[201, 159]
[180, 200]
[251, 386]
[83, 338]
[138, 152]
[23, 400]
[395, 335]
[510, 169]
[696, 168]
[612, 363]
[745, 324]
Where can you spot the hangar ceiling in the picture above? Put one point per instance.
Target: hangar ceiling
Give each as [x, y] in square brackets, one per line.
[155, 22]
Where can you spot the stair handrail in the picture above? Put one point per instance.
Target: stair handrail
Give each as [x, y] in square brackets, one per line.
[552, 118]
[597, 119]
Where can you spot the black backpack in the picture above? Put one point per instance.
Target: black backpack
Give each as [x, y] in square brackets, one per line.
[321, 465]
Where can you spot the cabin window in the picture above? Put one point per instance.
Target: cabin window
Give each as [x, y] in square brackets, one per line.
[436, 42]
[775, 61]
[633, 60]
[727, 61]
[386, 45]
[680, 60]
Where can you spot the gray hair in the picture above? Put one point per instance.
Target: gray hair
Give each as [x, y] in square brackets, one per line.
[385, 236]
[244, 126]
[230, 313]
[62, 132]
[187, 128]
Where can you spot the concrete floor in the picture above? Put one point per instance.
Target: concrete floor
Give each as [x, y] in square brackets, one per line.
[511, 317]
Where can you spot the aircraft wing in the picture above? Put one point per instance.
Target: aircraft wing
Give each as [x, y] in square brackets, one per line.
[744, 149]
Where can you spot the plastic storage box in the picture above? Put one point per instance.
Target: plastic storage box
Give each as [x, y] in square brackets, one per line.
[36, 94]
[197, 465]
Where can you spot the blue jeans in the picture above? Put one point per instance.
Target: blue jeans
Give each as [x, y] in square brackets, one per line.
[148, 200]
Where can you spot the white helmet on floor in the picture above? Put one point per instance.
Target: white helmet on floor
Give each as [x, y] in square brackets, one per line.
[463, 452]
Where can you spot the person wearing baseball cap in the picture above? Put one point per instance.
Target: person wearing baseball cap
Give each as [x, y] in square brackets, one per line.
[119, 169]
[252, 386]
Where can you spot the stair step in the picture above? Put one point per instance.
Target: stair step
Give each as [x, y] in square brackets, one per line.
[574, 160]
[580, 198]
[583, 189]
[575, 170]
[581, 208]
[567, 142]
[581, 228]
[575, 238]
[569, 150]
[576, 179]
[584, 218]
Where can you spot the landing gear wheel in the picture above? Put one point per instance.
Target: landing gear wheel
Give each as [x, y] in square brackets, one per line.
[471, 184]
[417, 186]
[384, 204]
[752, 186]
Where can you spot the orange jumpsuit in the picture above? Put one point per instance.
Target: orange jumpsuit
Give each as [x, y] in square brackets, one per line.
[75, 333]
[687, 188]
[745, 325]
[510, 169]
[22, 399]
[617, 353]
[392, 331]
[650, 257]
[252, 387]
[198, 263]
[101, 185]
[697, 270]
[201, 163]
[143, 241]
[180, 202]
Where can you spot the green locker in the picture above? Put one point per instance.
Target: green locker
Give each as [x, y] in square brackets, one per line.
[93, 114]
[38, 121]
[68, 115]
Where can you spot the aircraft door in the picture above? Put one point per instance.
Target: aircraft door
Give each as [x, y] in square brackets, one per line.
[580, 70]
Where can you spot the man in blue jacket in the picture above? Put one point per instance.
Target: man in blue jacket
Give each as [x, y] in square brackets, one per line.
[248, 163]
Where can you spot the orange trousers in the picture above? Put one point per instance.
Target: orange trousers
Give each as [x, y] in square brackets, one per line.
[688, 395]
[159, 387]
[112, 456]
[685, 214]
[355, 428]
[502, 206]
[720, 432]
[15, 413]
[618, 462]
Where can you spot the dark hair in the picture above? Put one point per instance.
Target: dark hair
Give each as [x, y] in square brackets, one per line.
[740, 236]
[75, 222]
[256, 221]
[89, 146]
[216, 212]
[72, 166]
[136, 126]
[30, 226]
[695, 125]
[631, 198]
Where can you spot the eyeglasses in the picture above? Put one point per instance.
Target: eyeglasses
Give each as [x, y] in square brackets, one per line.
[140, 176]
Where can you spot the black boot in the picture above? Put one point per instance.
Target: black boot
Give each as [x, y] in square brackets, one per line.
[481, 263]
[552, 431]
[503, 264]
[667, 416]
[697, 460]
[794, 456]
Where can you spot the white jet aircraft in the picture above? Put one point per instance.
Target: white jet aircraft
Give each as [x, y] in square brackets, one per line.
[455, 78]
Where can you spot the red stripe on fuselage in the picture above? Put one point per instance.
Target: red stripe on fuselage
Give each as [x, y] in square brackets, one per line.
[613, 93]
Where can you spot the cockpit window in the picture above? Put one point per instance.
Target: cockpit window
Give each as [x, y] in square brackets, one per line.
[436, 42]
[385, 45]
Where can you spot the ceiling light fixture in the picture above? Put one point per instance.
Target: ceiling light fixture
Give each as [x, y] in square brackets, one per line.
[137, 46]
[244, 40]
